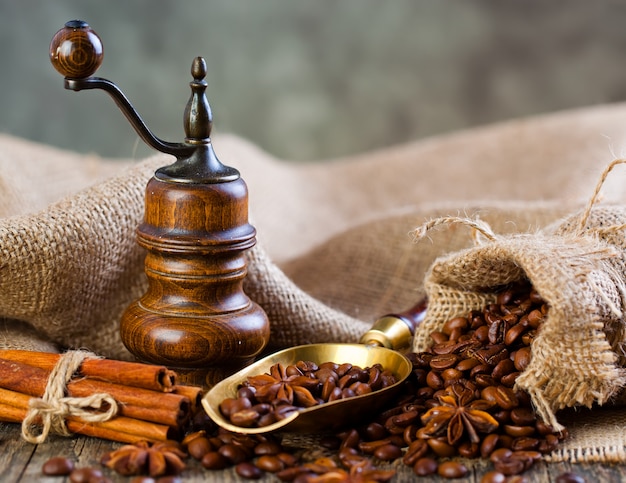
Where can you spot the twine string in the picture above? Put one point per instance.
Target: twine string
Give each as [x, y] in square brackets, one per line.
[594, 198]
[478, 226]
[53, 407]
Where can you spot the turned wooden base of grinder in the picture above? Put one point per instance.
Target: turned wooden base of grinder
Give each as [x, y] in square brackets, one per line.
[195, 316]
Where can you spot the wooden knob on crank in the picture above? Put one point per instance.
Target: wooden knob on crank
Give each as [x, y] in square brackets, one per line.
[76, 50]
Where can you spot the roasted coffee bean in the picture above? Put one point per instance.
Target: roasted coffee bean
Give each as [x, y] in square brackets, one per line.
[57, 466]
[451, 376]
[214, 460]
[416, 450]
[85, 475]
[570, 477]
[245, 418]
[506, 398]
[269, 463]
[519, 431]
[351, 439]
[525, 443]
[502, 368]
[468, 449]
[388, 452]
[425, 467]
[465, 365]
[489, 445]
[233, 453]
[434, 380]
[493, 477]
[248, 470]
[198, 447]
[441, 448]
[374, 431]
[522, 358]
[455, 323]
[484, 380]
[443, 361]
[509, 379]
[368, 447]
[267, 448]
[452, 469]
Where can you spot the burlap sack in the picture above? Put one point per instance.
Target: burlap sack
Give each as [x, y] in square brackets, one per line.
[580, 274]
[334, 251]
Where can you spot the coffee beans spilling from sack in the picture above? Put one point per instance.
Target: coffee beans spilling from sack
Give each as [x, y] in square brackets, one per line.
[266, 398]
[460, 401]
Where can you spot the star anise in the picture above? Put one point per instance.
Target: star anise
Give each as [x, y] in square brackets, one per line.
[153, 459]
[458, 413]
[281, 387]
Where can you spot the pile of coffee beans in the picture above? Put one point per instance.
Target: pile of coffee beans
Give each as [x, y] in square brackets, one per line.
[266, 398]
[460, 400]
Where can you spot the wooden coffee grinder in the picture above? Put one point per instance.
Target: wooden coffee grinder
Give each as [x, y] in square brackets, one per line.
[195, 316]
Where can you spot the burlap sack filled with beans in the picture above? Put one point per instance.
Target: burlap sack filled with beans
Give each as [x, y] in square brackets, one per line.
[578, 266]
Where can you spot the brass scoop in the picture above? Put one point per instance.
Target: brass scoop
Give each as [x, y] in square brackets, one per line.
[379, 345]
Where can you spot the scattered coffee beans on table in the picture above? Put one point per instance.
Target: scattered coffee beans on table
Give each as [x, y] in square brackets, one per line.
[459, 402]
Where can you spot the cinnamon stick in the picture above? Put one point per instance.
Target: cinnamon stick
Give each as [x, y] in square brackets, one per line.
[165, 408]
[135, 374]
[14, 407]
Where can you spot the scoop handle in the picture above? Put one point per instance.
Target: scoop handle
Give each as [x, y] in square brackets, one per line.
[395, 331]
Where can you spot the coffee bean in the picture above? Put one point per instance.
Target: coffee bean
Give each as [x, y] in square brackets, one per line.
[267, 448]
[522, 358]
[214, 460]
[519, 431]
[441, 448]
[198, 447]
[502, 368]
[443, 361]
[416, 450]
[57, 466]
[570, 477]
[452, 469]
[506, 398]
[233, 453]
[468, 449]
[248, 470]
[493, 477]
[434, 380]
[388, 452]
[525, 443]
[425, 467]
[85, 475]
[269, 463]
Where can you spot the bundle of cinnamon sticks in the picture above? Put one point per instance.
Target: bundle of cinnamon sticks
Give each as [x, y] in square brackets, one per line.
[152, 406]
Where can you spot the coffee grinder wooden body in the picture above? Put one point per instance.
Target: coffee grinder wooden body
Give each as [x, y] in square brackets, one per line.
[195, 316]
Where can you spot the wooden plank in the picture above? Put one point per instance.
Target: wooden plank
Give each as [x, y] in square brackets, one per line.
[22, 462]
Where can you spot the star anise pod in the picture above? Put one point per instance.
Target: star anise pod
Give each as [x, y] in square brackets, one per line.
[153, 459]
[458, 413]
[279, 387]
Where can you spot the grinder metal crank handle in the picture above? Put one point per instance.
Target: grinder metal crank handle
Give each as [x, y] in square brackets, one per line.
[395, 331]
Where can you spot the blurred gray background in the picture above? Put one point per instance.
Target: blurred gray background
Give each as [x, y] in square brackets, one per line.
[311, 80]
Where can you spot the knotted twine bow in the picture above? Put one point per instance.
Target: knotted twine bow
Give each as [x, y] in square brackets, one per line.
[54, 406]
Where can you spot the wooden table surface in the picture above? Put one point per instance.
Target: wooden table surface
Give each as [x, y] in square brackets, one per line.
[21, 462]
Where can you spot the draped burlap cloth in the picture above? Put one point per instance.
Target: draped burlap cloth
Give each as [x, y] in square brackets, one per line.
[335, 249]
